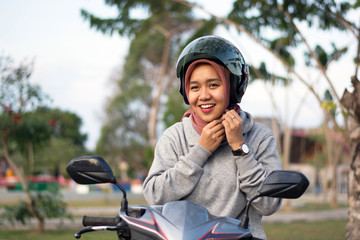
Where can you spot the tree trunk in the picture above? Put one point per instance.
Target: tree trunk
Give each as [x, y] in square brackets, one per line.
[325, 182]
[31, 157]
[334, 184]
[160, 87]
[277, 134]
[286, 159]
[333, 147]
[352, 227]
[24, 185]
[351, 101]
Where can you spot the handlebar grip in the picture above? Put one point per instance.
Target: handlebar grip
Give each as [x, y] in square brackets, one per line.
[100, 221]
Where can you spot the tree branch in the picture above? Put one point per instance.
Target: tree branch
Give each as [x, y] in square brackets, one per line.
[286, 65]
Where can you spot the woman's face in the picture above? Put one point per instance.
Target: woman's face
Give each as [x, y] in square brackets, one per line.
[206, 93]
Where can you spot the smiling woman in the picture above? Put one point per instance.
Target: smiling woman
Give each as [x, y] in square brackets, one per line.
[206, 92]
[217, 149]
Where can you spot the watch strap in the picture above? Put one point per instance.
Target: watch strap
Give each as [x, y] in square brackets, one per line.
[240, 151]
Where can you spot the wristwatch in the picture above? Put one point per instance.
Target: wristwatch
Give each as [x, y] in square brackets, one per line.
[242, 151]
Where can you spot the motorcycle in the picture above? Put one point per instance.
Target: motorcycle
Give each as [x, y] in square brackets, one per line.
[176, 220]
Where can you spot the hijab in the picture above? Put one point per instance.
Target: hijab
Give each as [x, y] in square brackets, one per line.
[224, 74]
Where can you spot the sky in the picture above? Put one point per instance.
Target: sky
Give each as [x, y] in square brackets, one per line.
[73, 64]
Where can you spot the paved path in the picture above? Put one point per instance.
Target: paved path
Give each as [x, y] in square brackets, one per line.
[284, 217]
[313, 216]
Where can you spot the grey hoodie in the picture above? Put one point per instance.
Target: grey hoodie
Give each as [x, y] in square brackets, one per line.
[221, 182]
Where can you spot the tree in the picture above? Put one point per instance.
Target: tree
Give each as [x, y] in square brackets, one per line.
[21, 131]
[134, 113]
[351, 101]
[66, 140]
[16, 96]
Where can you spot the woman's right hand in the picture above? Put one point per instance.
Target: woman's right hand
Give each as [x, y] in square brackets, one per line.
[212, 135]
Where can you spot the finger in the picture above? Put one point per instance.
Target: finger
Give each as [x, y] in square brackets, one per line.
[214, 127]
[229, 121]
[226, 123]
[219, 131]
[213, 123]
[220, 135]
[233, 115]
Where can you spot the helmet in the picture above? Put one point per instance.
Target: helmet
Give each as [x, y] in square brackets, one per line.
[221, 51]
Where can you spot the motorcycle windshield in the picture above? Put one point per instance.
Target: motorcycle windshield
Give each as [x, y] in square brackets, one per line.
[182, 220]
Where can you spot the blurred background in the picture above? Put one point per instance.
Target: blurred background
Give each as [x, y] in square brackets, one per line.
[98, 77]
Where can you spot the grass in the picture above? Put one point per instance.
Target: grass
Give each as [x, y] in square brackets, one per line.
[54, 235]
[327, 230]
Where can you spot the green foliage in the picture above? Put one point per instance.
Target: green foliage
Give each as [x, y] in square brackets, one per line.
[56, 154]
[26, 126]
[148, 157]
[174, 108]
[32, 128]
[329, 105]
[282, 46]
[324, 57]
[17, 98]
[258, 14]
[64, 124]
[17, 94]
[267, 21]
[19, 212]
[262, 73]
[127, 23]
[125, 134]
[48, 204]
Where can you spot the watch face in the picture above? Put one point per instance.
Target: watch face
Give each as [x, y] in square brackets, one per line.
[245, 148]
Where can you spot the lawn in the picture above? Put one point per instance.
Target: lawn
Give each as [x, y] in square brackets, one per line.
[328, 230]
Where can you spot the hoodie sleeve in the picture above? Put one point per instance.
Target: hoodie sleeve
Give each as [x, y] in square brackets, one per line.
[173, 174]
[255, 167]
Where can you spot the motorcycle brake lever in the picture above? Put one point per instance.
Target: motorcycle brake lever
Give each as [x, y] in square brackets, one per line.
[95, 228]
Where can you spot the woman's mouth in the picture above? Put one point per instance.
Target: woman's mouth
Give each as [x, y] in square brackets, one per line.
[207, 107]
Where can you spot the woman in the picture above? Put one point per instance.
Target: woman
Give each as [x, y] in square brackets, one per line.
[217, 156]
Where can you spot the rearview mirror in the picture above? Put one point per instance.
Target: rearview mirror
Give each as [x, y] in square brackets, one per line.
[90, 170]
[284, 184]
[279, 184]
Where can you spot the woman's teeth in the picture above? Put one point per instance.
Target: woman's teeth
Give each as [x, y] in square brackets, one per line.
[207, 106]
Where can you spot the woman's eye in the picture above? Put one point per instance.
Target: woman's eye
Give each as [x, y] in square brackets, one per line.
[214, 85]
[193, 88]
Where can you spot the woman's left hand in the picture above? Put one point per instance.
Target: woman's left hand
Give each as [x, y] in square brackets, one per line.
[233, 129]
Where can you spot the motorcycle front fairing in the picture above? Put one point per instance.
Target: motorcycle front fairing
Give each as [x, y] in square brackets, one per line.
[181, 220]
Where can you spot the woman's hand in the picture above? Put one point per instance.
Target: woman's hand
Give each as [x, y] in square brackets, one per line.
[212, 135]
[233, 129]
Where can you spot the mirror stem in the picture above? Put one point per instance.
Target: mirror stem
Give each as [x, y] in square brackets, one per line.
[245, 218]
[124, 202]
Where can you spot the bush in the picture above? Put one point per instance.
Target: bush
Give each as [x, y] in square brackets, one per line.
[48, 204]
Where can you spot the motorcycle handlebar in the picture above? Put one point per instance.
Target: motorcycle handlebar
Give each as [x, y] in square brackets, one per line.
[100, 221]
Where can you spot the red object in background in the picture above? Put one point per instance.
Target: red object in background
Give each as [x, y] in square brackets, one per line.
[7, 109]
[53, 122]
[16, 118]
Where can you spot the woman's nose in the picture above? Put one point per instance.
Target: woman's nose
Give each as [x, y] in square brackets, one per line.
[204, 94]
